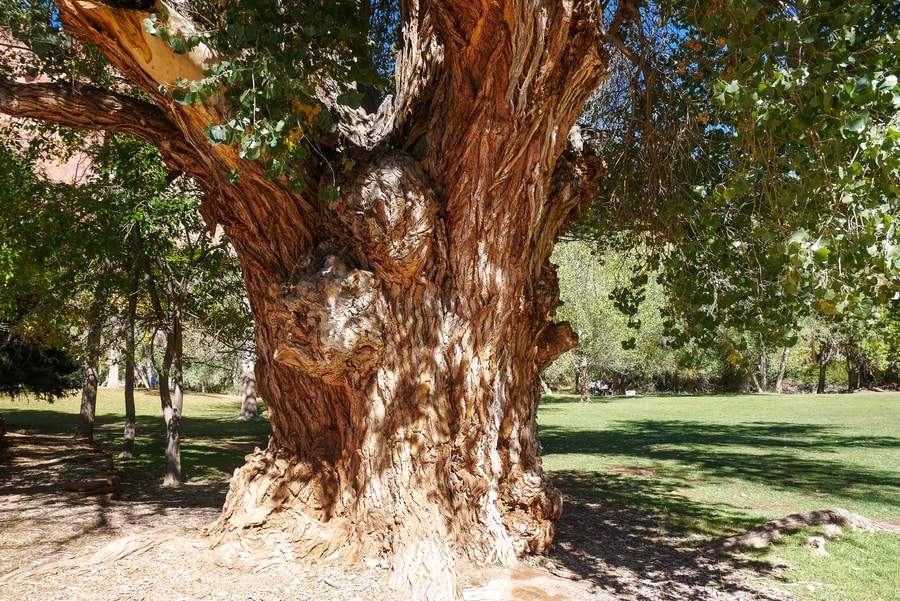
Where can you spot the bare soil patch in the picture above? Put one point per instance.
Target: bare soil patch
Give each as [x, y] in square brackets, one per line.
[145, 543]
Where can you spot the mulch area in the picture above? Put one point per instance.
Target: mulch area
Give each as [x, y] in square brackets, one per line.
[145, 543]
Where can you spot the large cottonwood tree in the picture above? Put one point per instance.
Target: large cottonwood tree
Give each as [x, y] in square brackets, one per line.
[401, 326]
[398, 266]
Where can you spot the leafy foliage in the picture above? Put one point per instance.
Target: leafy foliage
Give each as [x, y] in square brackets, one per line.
[285, 55]
[33, 368]
[782, 189]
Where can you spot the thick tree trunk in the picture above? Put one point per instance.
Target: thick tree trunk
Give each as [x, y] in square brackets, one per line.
[85, 428]
[782, 368]
[401, 330]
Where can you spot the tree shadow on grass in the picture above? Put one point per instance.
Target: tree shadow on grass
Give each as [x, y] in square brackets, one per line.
[782, 456]
[628, 551]
[42, 520]
[210, 451]
[634, 533]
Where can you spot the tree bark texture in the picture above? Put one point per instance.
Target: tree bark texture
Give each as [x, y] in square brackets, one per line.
[85, 427]
[782, 368]
[249, 408]
[401, 330]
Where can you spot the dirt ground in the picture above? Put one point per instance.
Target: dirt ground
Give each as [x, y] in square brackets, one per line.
[146, 544]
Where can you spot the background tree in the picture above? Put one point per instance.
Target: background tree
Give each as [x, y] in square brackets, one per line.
[808, 92]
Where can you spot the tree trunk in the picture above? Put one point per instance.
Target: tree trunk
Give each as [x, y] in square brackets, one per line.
[545, 388]
[782, 368]
[171, 377]
[754, 381]
[824, 358]
[401, 330]
[112, 380]
[170, 373]
[130, 431]
[763, 366]
[85, 427]
[249, 409]
[583, 383]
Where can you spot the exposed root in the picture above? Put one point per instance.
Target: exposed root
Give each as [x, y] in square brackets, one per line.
[118, 549]
[763, 535]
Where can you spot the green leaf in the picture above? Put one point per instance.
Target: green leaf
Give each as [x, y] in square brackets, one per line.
[857, 124]
[329, 193]
[217, 134]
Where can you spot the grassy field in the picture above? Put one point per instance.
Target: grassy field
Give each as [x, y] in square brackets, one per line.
[706, 466]
[213, 442]
[716, 465]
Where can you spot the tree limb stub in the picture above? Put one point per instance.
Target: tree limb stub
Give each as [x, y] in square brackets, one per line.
[553, 341]
[763, 535]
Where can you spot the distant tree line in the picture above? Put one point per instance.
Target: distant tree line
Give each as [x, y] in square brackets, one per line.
[619, 309]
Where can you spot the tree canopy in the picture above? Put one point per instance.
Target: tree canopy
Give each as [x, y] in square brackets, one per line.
[758, 158]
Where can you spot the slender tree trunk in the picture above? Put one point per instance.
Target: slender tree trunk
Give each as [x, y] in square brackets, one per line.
[545, 388]
[249, 409]
[170, 373]
[112, 379]
[824, 358]
[763, 366]
[143, 372]
[782, 369]
[171, 397]
[130, 431]
[85, 427]
[754, 381]
[583, 382]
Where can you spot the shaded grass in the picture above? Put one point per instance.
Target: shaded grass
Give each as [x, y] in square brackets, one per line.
[213, 441]
[714, 466]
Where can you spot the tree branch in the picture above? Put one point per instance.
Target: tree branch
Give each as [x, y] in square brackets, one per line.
[85, 107]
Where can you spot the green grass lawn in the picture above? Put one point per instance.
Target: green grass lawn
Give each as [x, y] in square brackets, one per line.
[213, 442]
[707, 466]
[713, 466]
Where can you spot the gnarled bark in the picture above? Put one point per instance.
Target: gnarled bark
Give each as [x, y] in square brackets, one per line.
[401, 331]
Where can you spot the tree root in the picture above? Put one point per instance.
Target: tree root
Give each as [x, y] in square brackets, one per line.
[116, 550]
[763, 535]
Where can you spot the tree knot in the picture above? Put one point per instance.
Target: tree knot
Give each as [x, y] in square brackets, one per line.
[330, 321]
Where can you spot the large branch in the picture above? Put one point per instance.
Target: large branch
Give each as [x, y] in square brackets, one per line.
[89, 108]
